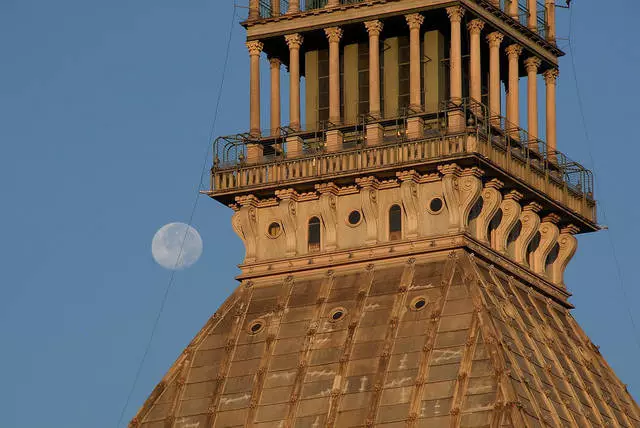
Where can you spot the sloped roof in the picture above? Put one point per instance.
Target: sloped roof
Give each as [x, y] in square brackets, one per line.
[485, 350]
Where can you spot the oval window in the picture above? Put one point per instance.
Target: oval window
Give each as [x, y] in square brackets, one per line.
[436, 205]
[354, 218]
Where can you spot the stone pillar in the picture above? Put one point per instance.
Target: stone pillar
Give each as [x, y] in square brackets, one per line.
[414, 20]
[254, 11]
[494, 39]
[255, 48]
[294, 6]
[475, 74]
[550, 7]
[334, 34]
[550, 77]
[513, 99]
[294, 41]
[275, 95]
[513, 9]
[532, 64]
[456, 119]
[532, 23]
[374, 28]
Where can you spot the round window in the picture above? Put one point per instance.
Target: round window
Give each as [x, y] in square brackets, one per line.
[256, 326]
[354, 218]
[274, 229]
[436, 205]
[418, 303]
[337, 314]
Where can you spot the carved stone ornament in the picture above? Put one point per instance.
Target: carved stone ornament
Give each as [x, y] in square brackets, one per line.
[455, 13]
[548, 237]
[470, 187]
[568, 246]
[414, 20]
[255, 47]
[530, 222]
[510, 213]
[495, 39]
[245, 224]
[288, 208]
[369, 197]
[491, 199]
[450, 174]
[374, 28]
[409, 192]
[328, 200]
[334, 34]
[513, 50]
[475, 26]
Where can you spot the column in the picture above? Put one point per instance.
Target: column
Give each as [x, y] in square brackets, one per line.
[275, 95]
[550, 8]
[532, 23]
[550, 77]
[255, 48]
[513, 99]
[254, 11]
[294, 41]
[475, 73]
[456, 119]
[334, 34]
[513, 9]
[294, 6]
[532, 64]
[374, 28]
[414, 20]
[494, 39]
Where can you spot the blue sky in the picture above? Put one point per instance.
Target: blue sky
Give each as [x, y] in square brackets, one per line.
[105, 114]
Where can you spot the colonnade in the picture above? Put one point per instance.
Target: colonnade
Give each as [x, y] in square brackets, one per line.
[513, 51]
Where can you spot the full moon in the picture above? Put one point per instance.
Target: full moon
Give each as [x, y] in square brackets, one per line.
[168, 249]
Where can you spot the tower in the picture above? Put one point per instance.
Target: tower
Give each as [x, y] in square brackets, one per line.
[406, 239]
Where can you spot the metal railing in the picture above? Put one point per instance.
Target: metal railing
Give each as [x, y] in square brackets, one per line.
[506, 141]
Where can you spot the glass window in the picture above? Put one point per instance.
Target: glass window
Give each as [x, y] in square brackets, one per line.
[395, 223]
[314, 234]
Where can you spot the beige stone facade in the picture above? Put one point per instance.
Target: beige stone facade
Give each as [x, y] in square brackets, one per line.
[405, 248]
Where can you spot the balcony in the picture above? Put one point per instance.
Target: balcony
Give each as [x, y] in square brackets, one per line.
[490, 141]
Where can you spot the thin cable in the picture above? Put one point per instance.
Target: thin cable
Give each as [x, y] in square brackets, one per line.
[621, 284]
[193, 211]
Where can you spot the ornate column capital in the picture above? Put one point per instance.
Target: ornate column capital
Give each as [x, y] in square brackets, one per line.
[294, 41]
[334, 34]
[414, 20]
[551, 75]
[255, 47]
[532, 64]
[374, 28]
[275, 62]
[455, 13]
[513, 50]
[475, 26]
[495, 39]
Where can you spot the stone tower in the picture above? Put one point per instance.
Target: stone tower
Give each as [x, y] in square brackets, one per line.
[406, 237]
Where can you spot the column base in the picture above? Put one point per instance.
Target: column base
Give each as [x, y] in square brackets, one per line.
[294, 147]
[334, 141]
[375, 134]
[254, 153]
[415, 128]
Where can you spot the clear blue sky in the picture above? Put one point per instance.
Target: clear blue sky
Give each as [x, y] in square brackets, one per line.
[105, 110]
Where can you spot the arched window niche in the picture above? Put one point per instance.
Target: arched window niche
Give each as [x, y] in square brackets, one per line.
[395, 223]
[313, 236]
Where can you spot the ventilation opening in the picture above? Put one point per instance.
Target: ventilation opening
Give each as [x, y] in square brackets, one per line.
[354, 218]
[256, 326]
[418, 303]
[314, 235]
[437, 204]
[395, 223]
[337, 314]
[274, 229]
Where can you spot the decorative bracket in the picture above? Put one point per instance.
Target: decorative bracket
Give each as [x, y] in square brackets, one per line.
[369, 195]
[510, 212]
[470, 186]
[245, 224]
[328, 207]
[548, 237]
[288, 207]
[568, 246]
[491, 199]
[409, 192]
[530, 221]
[450, 174]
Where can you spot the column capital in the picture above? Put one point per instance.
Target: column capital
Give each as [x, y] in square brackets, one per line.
[475, 26]
[495, 39]
[334, 34]
[551, 75]
[532, 64]
[513, 50]
[455, 13]
[275, 62]
[294, 41]
[374, 28]
[255, 47]
[414, 20]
